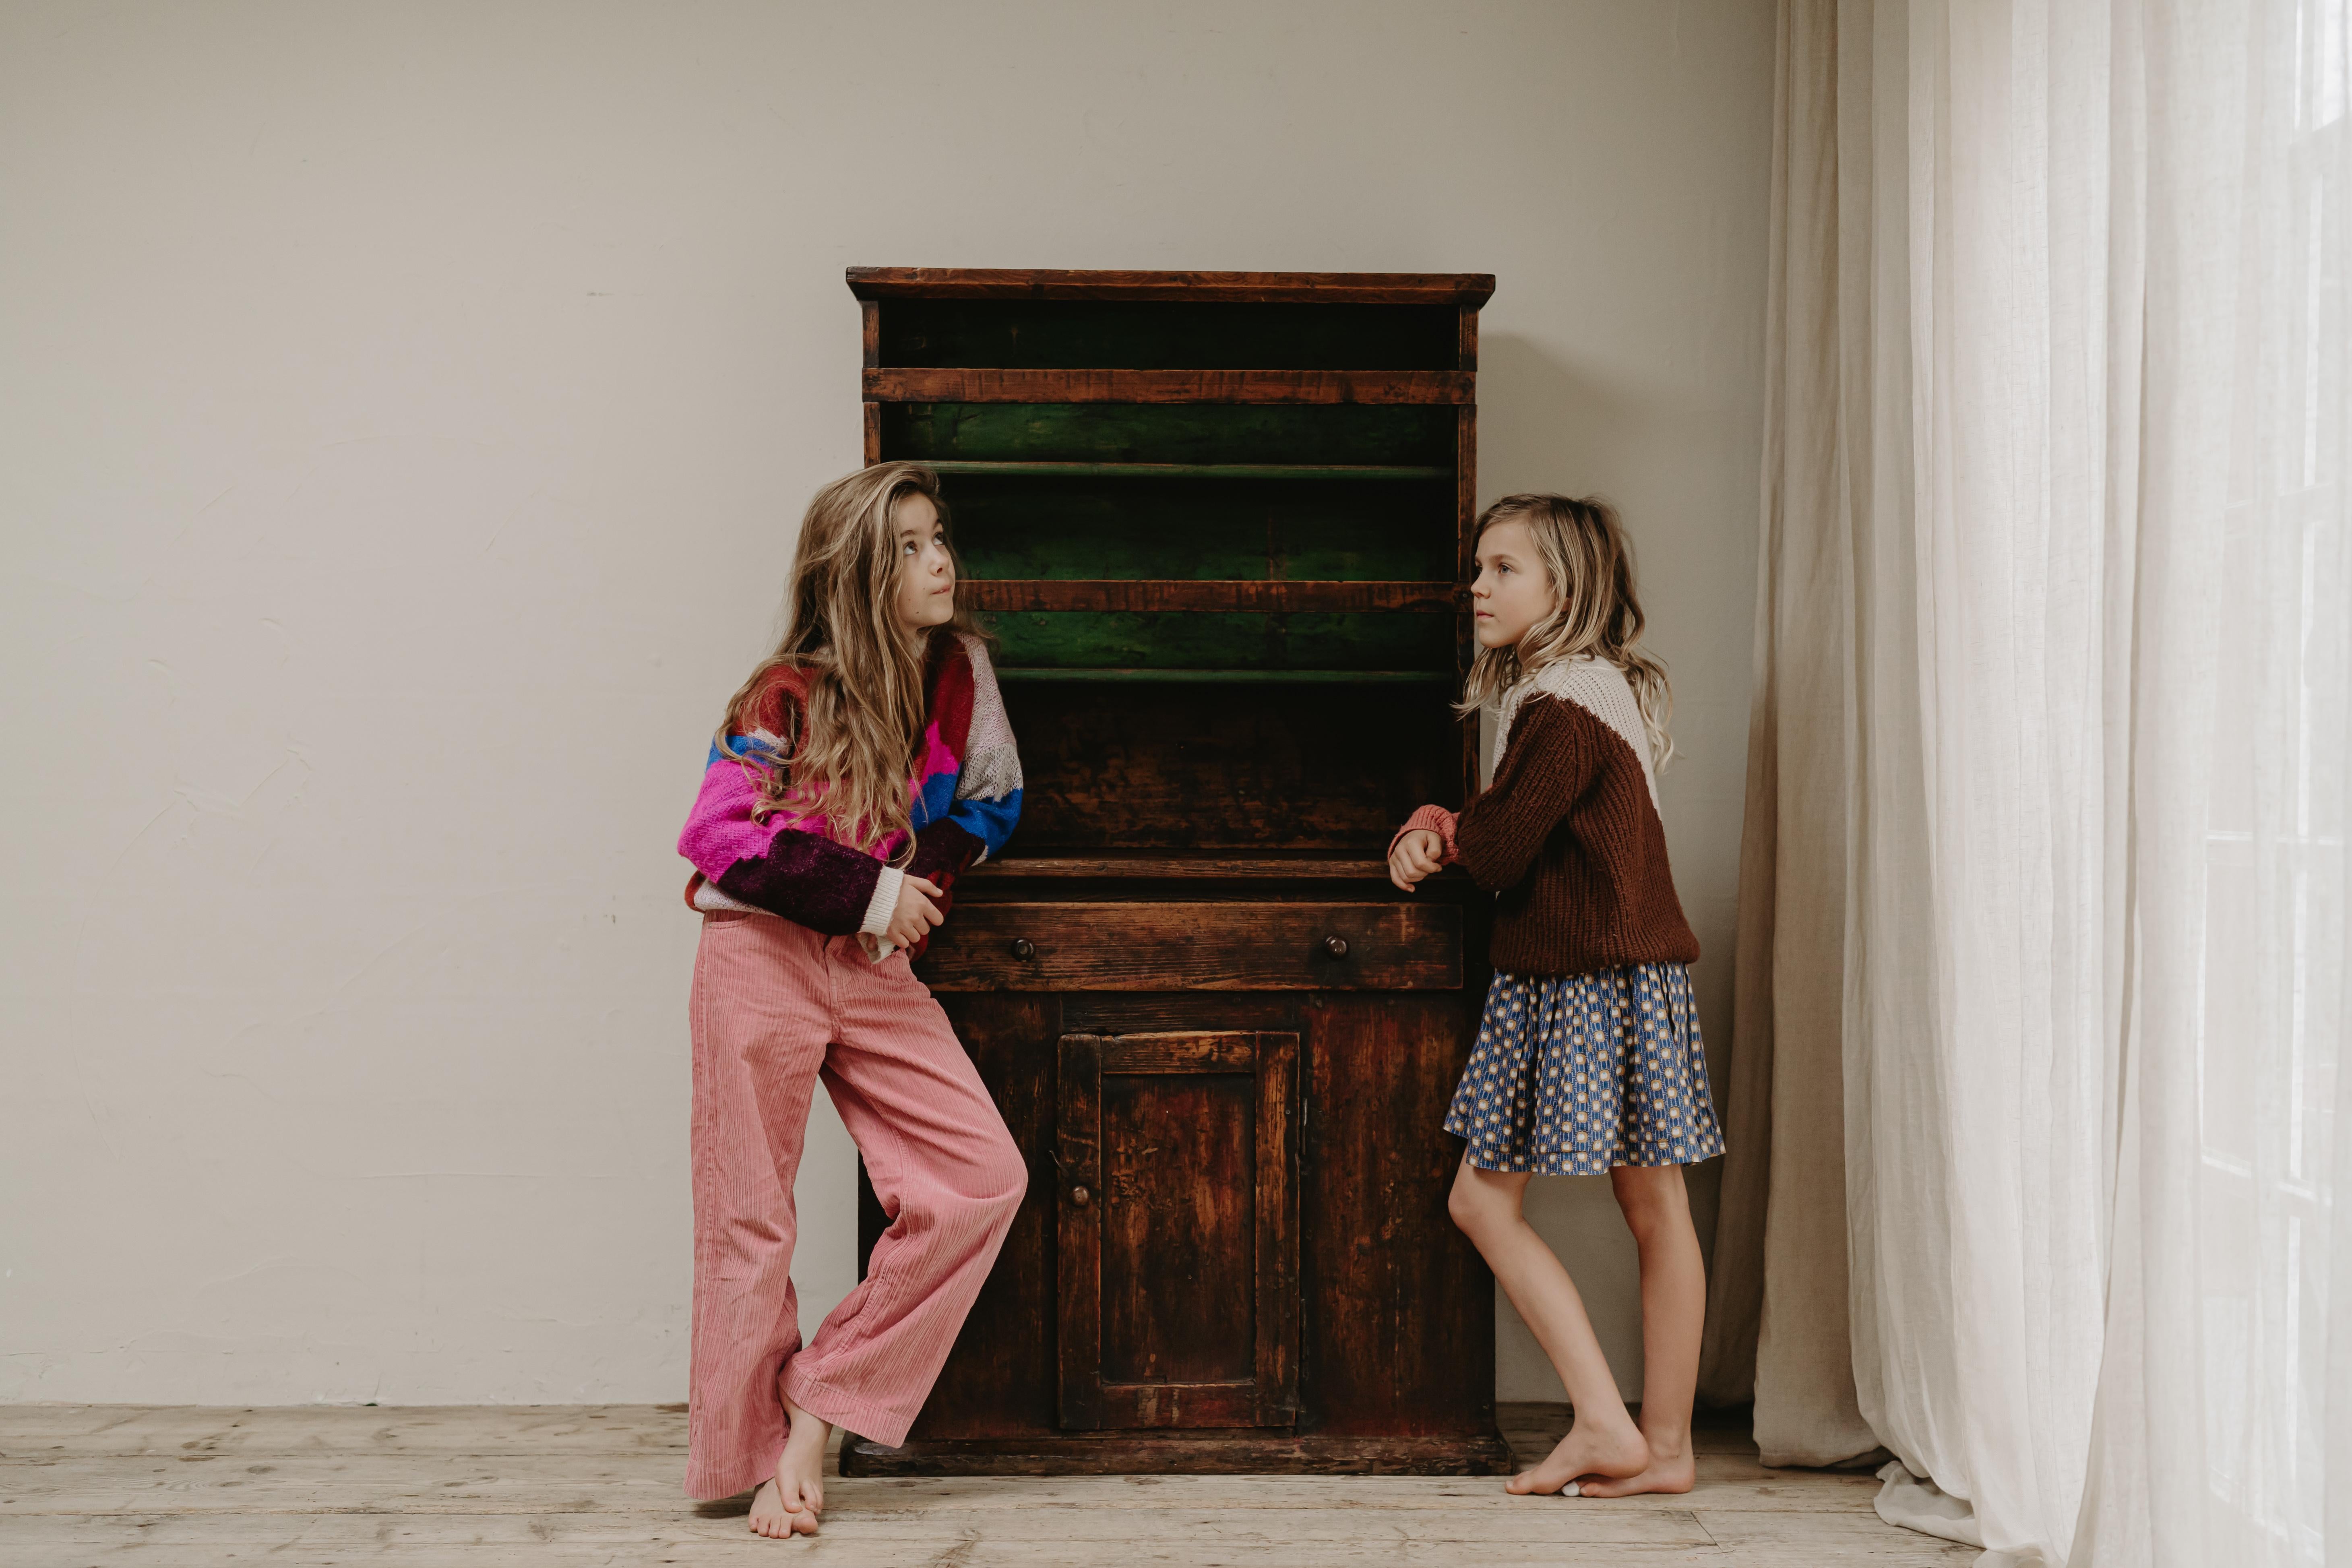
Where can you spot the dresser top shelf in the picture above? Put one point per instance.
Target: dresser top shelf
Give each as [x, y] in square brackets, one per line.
[1471, 289]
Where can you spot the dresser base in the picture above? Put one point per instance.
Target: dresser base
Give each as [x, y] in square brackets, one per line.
[1125, 1454]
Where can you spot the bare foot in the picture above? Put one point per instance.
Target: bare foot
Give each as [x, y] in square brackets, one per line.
[790, 1504]
[770, 1517]
[1669, 1469]
[799, 1468]
[1588, 1451]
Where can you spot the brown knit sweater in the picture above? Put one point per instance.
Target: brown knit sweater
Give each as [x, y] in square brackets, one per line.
[1567, 838]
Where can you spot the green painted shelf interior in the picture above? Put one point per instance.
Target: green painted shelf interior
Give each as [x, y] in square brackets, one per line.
[1288, 436]
[1140, 492]
[1066, 335]
[1197, 639]
[1012, 525]
[1231, 677]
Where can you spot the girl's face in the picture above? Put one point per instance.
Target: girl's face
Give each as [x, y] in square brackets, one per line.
[926, 570]
[1513, 592]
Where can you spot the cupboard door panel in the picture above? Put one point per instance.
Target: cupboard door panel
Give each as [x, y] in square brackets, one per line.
[1179, 1179]
[1178, 1230]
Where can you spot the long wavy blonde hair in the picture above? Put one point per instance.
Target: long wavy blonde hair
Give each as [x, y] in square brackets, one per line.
[1585, 552]
[860, 665]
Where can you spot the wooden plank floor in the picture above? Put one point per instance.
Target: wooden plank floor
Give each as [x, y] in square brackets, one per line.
[481, 1487]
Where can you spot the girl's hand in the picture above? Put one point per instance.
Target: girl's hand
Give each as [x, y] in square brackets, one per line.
[1416, 855]
[916, 914]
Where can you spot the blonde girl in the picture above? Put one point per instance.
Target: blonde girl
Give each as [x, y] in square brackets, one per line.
[862, 767]
[1588, 1058]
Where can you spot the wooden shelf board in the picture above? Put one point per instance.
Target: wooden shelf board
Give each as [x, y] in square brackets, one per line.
[1232, 677]
[934, 384]
[1172, 864]
[1471, 288]
[1230, 595]
[1195, 470]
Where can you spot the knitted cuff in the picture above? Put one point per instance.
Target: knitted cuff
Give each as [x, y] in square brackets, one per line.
[884, 903]
[1437, 820]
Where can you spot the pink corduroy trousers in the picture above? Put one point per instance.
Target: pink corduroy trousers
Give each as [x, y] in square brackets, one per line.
[777, 1006]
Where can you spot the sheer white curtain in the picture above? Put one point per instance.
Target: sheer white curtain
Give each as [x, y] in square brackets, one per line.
[2054, 698]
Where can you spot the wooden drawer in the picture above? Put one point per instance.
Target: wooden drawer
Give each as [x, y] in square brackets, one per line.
[1197, 946]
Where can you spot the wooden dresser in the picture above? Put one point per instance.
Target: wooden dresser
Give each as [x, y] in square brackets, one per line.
[1217, 524]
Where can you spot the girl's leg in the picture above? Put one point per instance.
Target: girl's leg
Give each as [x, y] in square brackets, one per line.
[1673, 1311]
[759, 1037]
[1603, 1441]
[947, 1173]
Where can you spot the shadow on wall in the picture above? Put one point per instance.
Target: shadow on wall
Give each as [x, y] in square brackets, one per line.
[1546, 425]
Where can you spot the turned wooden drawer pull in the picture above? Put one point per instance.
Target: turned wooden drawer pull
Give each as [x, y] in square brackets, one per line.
[1080, 1196]
[1024, 949]
[1335, 946]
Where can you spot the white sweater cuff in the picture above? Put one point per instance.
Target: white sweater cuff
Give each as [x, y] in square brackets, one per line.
[885, 902]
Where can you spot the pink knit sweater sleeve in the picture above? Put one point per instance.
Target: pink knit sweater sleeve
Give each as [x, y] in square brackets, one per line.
[1437, 820]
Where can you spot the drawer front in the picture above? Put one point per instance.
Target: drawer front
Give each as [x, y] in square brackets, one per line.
[1197, 947]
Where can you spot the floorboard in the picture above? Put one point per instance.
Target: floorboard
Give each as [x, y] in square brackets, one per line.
[559, 1487]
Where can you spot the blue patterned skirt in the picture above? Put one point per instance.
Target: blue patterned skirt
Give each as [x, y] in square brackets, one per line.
[1574, 1074]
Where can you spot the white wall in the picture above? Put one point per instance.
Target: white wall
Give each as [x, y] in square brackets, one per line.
[407, 411]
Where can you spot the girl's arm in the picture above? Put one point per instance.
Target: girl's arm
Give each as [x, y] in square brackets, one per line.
[779, 866]
[986, 806]
[1549, 763]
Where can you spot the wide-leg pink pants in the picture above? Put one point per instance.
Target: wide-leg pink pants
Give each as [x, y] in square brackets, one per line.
[776, 1006]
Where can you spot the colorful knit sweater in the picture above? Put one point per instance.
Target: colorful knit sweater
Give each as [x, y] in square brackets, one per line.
[964, 799]
[1567, 835]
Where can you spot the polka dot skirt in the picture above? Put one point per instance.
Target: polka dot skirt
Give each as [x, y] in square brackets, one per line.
[1574, 1074]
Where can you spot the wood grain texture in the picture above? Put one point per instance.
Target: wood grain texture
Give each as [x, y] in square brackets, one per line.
[1337, 288]
[1466, 338]
[1029, 334]
[934, 384]
[1398, 1301]
[1203, 946]
[491, 1481]
[1180, 1269]
[1229, 1052]
[1348, 472]
[509, 1487]
[1212, 865]
[1229, 1453]
[1237, 595]
[1233, 767]
[1079, 1232]
[1274, 1358]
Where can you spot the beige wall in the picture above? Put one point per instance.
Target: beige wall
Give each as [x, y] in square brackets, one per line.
[406, 407]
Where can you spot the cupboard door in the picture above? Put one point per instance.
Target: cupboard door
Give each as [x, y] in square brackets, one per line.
[1176, 1230]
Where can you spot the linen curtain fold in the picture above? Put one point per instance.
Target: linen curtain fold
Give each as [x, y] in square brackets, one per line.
[2033, 1092]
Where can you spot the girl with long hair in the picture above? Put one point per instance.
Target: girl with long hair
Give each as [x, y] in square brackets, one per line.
[863, 765]
[1588, 1058]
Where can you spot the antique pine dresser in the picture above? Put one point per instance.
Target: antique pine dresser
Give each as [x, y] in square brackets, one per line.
[1217, 524]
